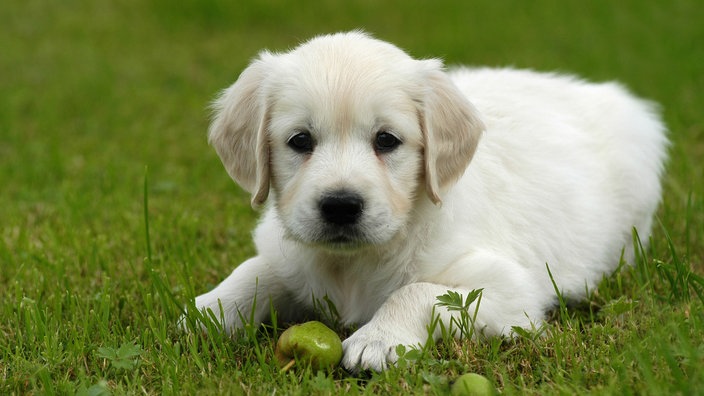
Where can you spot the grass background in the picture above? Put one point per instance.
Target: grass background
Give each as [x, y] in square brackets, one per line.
[96, 96]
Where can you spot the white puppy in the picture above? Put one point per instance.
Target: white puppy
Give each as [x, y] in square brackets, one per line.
[390, 181]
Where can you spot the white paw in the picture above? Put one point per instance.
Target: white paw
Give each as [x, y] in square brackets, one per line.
[210, 309]
[186, 327]
[373, 347]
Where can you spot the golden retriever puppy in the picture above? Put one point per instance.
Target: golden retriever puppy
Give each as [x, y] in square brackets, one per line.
[388, 181]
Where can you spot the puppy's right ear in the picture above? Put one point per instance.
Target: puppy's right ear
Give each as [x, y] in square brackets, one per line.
[451, 128]
[238, 131]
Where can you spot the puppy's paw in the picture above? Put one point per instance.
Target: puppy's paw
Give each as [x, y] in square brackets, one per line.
[192, 321]
[208, 309]
[189, 322]
[373, 347]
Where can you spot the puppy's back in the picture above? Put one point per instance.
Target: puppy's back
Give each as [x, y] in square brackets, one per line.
[570, 167]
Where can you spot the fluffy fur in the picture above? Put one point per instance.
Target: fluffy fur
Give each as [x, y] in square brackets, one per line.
[497, 173]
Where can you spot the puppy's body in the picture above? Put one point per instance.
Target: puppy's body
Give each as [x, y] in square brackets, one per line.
[560, 172]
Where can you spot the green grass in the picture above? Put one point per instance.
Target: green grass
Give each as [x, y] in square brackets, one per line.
[96, 97]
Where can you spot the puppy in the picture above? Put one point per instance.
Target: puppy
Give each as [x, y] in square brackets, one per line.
[389, 181]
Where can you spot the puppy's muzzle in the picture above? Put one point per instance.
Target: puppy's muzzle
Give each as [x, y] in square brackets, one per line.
[341, 208]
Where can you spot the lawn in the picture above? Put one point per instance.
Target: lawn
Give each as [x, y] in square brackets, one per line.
[114, 211]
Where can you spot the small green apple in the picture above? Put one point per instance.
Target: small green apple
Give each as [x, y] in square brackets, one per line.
[472, 384]
[312, 342]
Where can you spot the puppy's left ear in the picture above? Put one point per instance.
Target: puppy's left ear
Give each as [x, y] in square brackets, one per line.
[451, 130]
[238, 131]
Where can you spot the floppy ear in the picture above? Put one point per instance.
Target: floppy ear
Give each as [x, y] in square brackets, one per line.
[238, 132]
[451, 130]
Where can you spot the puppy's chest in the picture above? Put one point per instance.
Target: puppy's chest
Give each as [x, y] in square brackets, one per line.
[357, 288]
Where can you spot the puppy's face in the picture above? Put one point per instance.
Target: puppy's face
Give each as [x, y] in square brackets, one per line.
[348, 132]
[345, 154]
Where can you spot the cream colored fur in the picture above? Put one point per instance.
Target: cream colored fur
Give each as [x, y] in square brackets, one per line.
[499, 172]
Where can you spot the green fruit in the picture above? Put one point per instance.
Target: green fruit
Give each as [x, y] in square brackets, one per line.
[472, 384]
[311, 342]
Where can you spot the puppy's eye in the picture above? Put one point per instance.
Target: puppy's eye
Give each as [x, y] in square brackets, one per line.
[301, 142]
[385, 142]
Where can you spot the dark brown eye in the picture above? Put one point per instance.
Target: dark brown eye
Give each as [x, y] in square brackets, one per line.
[301, 142]
[385, 142]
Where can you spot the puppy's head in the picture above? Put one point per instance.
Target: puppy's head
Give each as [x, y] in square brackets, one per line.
[346, 132]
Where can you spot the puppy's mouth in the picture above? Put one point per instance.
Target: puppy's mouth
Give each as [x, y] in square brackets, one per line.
[340, 223]
[331, 237]
[342, 238]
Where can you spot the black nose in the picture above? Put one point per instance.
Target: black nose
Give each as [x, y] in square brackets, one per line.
[341, 207]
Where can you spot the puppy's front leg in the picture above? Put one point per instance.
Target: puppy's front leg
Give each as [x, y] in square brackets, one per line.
[405, 318]
[402, 319]
[254, 284]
